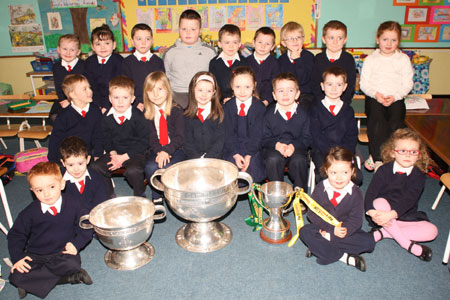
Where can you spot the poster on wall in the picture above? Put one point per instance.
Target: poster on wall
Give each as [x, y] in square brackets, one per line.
[26, 38]
[73, 3]
[22, 14]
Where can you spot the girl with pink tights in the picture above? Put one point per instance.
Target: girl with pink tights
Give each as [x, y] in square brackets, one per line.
[392, 198]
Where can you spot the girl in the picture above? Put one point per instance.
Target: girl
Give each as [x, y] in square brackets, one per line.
[204, 128]
[166, 126]
[393, 195]
[341, 198]
[243, 122]
[386, 78]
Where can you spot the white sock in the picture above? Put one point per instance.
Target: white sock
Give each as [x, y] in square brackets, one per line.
[351, 260]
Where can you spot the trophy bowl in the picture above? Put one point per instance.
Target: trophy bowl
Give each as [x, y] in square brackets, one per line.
[201, 190]
[123, 225]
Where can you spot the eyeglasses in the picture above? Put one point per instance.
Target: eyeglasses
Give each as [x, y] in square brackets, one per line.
[410, 152]
[294, 39]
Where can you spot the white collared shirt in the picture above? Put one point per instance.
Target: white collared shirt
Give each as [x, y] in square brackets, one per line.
[235, 57]
[79, 110]
[335, 57]
[158, 116]
[282, 112]
[72, 64]
[105, 58]
[68, 177]
[338, 105]
[258, 60]
[116, 115]
[139, 56]
[206, 111]
[57, 205]
[289, 55]
[247, 104]
[398, 168]
[343, 192]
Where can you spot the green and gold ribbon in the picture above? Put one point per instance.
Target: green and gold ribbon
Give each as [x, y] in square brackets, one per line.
[255, 219]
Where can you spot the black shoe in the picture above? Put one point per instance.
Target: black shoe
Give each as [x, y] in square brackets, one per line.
[308, 253]
[84, 277]
[427, 253]
[360, 263]
[376, 229]
[22, 293]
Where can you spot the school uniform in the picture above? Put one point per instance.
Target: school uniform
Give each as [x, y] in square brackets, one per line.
[99, 71]
[134, 67]
[349, 210]
[295, 131]
[265, 70]
[222, 68]
[322, 62]
[43, 236]
[70, 122]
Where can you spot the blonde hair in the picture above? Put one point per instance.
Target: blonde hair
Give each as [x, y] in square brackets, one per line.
[406, 134]
[69, 82]
[289, 27]
[44, 169]
[149, 84]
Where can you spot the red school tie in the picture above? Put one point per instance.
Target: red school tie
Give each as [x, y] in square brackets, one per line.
[288, 115]
[230, 62]
[103, 61]
[332, 109]
[81, 182]
[122, 119]
[333, 200]
[199, 114]
[261, 61]
[332, 59]
[83, 113]
[143, 58]
[400, 173]
[69, 68]
[163, 132]
[54, 211]
[242, 111]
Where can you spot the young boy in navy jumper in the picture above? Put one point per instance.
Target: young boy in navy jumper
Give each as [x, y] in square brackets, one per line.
[68, 50]
[103, 65]
[82, 183]
[80, 118]
[334, 36]
[286, 133]
[223, 64]
[125, 136]
[264, 65]
[333, 121]
[142, 62]
[45, 240]
[297, 60]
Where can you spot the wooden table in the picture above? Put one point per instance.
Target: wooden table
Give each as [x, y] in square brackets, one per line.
[33, 75]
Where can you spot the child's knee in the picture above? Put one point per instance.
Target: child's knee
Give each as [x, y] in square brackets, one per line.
[381, 204]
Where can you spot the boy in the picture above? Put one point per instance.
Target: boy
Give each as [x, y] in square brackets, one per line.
[222, 65]
[333, 121]
[82, 183]
[80, 118]
[45, 239]
[264, 64]
[142, 62]
[187, 56]
[125, 135]
[103, 65]
[297, 60]
[68, 49]
[334, 36]
[286, 135]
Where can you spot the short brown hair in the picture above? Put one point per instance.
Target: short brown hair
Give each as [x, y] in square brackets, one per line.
[336, 71]
[338, 153]
[390, 26]
[123, 82]
[289, 27]
[141, 26]
[336, 25]
[284, 76]
[102, 33]
[266, 31]
[73, 146]
[230, 29]
[191, 14]
[69, 83]
[45, 168]
[69, 37]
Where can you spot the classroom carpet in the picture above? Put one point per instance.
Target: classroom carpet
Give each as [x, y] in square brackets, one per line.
[249, 268]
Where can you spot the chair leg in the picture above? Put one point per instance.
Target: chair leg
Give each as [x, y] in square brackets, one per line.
[311, 177]
[38, 145]
[5, 204]
[447, 250]
[3, 228]
[438, 198]
[3, 143]
[21, 144]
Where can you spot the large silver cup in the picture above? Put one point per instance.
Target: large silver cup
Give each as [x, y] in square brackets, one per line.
[275, 197]
[123, 225]
[201, 190]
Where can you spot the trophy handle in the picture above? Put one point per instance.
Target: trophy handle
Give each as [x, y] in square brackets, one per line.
[160, 215]
[257, 200]
[245, 176]
[155, 182]
[85, 226]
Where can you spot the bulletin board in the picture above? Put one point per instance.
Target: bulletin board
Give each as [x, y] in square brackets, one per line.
[425, 23]
[163, 15]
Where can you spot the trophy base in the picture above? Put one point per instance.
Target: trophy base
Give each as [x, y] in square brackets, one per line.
[203, 237]
[132, 259]
[275, 236]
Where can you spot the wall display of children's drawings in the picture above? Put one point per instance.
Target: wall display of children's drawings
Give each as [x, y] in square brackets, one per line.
[203, 11]
[406, 2]
[236, 16]
[444, 36]
[217, 17]
[25, 34]
[54, 21]
[274, 16]
[163, 20]
[417, 15]
[431, 2]
[145, 16]
[440, 15]
[427, 33]
[22, 14]
[408, 32]
[255, 16]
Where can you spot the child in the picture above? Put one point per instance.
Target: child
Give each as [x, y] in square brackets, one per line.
[297, 60]
[264, 64]
[392, 197]
[222, 65]
[104, 65]
[333, 121]
[386, 78]
[68, 50]
[187, 56]
[142, 62]
[204, 134]
[243, 122]
[79, 119]
[45, 239]
[334, 36]
[82, 183]
[166, 124]
[343, 200]
[286, 133]
[125, 136]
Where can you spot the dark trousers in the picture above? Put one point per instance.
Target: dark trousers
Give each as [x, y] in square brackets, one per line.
[382, 121]
[328, 252]
[255, 169]
[134, 173]
[297, 164]
[182, 99]
[46, 270]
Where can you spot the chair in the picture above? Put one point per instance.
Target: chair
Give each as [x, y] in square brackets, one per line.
[445, 179]
[10, 130]
[33, 132]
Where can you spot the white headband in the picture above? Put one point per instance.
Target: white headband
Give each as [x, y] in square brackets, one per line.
[205, 77]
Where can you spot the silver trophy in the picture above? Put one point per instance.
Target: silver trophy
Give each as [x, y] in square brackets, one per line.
[201, 190]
